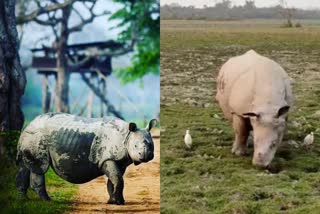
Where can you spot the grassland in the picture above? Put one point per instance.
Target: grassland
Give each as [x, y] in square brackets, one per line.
[208, 178]
[60, 191]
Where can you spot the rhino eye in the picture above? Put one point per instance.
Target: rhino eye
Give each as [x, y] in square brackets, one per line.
[273, 144]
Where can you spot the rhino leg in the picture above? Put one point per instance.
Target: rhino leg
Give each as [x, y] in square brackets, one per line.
[23, 180]
[115, 182]
[241, 130]
[38, 185]
[110, 188]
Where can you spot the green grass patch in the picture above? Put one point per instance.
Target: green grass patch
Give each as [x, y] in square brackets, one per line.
[213, 34]
[60, 191]
[208, 178]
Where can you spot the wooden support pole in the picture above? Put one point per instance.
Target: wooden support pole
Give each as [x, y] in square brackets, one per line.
[98, 93]
[76, 103]
[90, 104]
[82, 110]
[104, 92]
[46, 95]
[90, 98]
[54, 99]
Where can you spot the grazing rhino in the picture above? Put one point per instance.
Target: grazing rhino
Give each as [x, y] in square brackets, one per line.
[80, 149]
[254, 93]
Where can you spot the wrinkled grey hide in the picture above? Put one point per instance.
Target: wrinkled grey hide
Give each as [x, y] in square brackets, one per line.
[79, 150]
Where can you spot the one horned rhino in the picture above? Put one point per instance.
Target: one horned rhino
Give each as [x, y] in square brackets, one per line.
[254, 93]
[79, 150]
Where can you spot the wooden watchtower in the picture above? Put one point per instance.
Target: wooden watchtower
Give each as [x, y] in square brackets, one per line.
[93, 62]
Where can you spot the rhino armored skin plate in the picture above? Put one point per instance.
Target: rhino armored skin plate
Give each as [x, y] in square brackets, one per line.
[80, 149]
[254, 93]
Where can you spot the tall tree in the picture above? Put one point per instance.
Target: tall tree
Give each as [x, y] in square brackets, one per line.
[11, 74]
[141, 23]
[56, 15]
[287, 12]
[12, 77]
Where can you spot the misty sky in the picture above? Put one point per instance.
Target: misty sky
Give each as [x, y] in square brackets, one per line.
[306, 4]
[146, 98]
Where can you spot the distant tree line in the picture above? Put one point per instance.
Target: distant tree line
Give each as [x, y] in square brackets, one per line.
[225, 11]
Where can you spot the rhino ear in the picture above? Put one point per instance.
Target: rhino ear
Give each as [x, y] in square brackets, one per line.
[251, 114]
[132, 127]
[151, 124]
[283, 110]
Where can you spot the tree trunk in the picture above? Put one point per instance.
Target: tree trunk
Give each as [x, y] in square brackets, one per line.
[104, 91]
[90, 98]
[12, 77]
[62, 94]
[289, 18]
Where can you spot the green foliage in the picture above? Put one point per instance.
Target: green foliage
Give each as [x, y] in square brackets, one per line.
[141, 22]
[11, 140]
[60, 191]
[11, 202]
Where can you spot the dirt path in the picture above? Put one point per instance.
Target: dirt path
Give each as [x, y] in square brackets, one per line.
[141, 191]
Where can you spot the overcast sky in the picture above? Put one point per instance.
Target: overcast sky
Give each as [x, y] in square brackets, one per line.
[306, 4]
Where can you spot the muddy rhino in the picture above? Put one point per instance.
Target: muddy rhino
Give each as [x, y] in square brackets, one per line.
[80, 149]
[254, 93]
